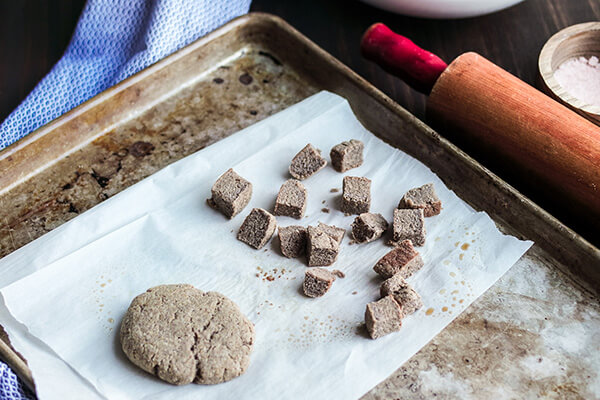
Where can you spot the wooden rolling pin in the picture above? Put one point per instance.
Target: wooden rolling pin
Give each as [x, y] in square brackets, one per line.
[475, 97]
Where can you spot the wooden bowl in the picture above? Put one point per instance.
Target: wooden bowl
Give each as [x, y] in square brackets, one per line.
[572, 42]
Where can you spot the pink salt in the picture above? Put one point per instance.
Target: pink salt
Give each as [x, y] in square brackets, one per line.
[581, 78]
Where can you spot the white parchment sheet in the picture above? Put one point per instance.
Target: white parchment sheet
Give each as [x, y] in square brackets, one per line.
[65, 294]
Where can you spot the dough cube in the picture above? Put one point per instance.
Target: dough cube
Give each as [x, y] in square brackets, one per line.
[403, 293]
[356, 195]
[368, 227]
[409, 224]
[230, 194]
[422, 197]
[383, 317]
[403, 260]
[333, 231]
[257, 228]
[322, 249]
[307, 162]
[291, 200]
[347, 155]
[293, 240]
[317, 281]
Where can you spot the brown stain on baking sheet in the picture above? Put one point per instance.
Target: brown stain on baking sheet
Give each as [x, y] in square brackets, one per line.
[245, 79]
[141, 149]
[465, 246]
[189, 120]
[429, 311]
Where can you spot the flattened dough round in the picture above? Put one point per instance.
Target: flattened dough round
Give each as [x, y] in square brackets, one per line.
[183, 335]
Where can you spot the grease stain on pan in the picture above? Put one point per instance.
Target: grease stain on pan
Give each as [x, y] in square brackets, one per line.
[189, 120]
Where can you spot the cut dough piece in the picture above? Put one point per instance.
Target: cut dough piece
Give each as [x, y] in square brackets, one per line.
[322, 249]
[422, 197]
[333, 231]
[403, 293]
[409, 224]
[347, 155]
[230, 194]
[368, 227]
[356, 195]
[292, 240]
[291, 200]
[307, 163]
[383, 317]
[403, 260]
[317, 281]
[257, 228]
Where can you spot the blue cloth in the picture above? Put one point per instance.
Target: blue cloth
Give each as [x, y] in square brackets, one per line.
[113, 40]
[10, 386]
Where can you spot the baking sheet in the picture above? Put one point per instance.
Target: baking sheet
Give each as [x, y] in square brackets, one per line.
[171, 238]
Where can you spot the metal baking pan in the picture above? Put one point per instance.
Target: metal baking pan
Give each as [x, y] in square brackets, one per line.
[529, 335]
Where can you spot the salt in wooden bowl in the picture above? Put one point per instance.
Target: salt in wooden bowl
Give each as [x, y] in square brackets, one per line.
[581, 40]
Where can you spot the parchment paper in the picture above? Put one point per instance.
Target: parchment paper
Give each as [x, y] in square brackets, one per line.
[68, 290]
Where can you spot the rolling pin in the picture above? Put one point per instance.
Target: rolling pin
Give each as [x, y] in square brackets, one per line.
[485, 103]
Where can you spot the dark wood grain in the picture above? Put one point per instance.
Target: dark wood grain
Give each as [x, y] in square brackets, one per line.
[511, 38]
[34, 34]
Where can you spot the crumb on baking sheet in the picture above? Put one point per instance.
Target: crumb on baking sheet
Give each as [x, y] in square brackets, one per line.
[339, 273]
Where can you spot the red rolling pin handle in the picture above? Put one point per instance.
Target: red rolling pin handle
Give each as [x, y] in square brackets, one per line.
[401, 57]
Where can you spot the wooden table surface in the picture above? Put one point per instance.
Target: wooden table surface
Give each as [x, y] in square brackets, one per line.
[34, 34]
